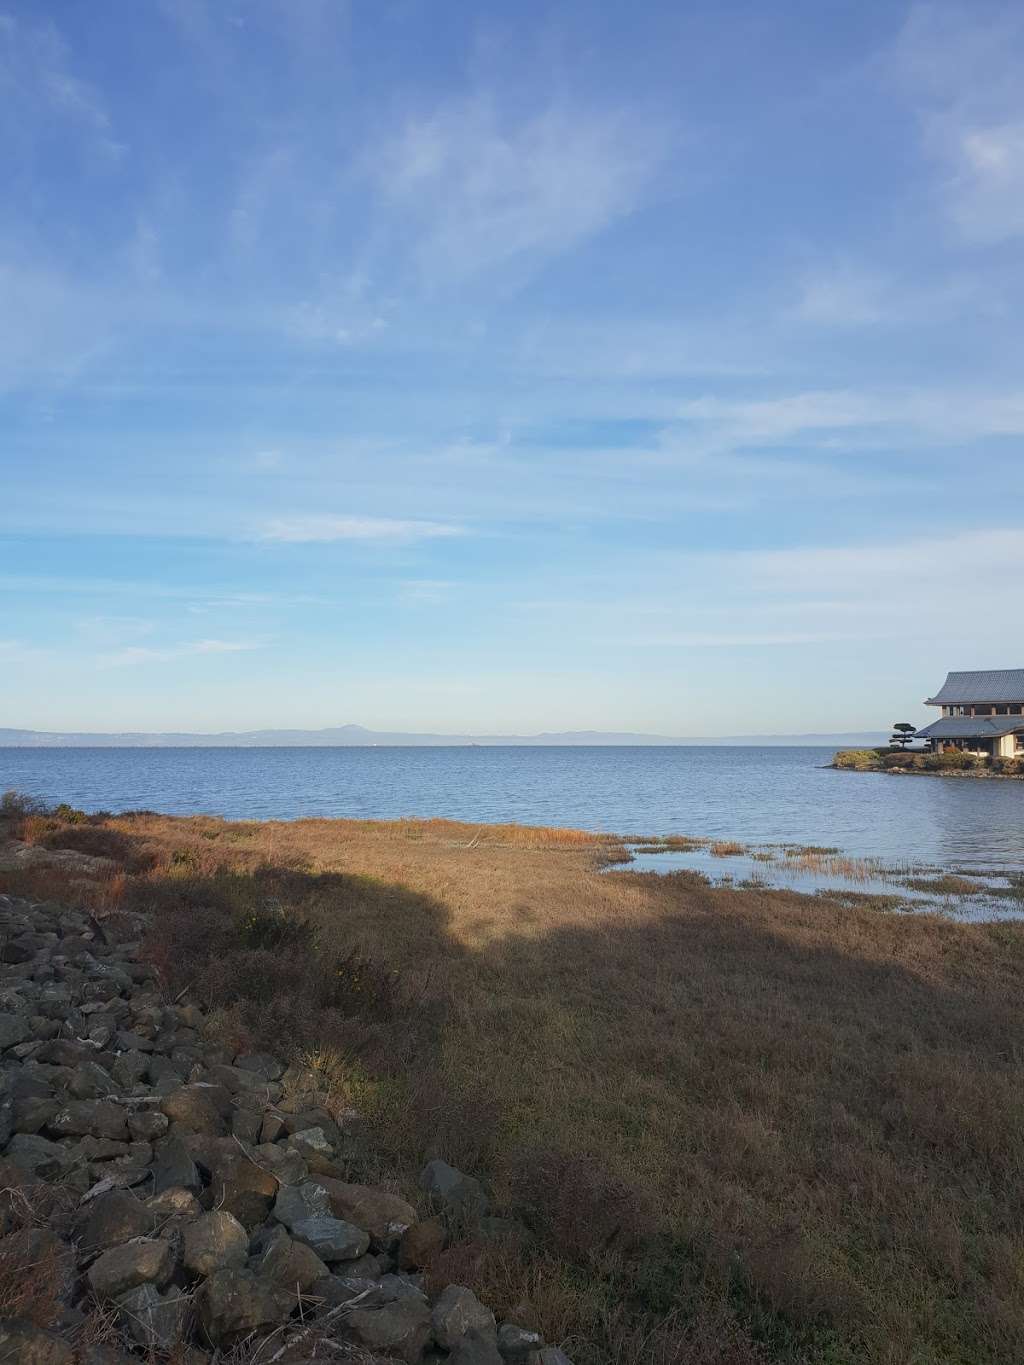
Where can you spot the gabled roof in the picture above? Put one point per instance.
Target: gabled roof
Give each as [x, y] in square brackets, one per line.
[971, 727]
[992, 684]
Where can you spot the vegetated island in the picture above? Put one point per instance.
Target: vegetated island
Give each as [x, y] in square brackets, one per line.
[720, 1125]
[953, 763]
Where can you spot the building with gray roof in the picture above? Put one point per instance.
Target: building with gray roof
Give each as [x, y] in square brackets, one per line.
[982, 713]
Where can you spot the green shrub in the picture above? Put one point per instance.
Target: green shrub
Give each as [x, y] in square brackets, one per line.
[861, 760]
[70, 814]
[16, 805]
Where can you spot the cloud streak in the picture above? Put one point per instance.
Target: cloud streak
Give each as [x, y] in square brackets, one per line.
[141, 654]
[301, 530]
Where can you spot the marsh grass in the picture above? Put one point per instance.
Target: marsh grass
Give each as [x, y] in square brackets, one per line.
[740, 1125]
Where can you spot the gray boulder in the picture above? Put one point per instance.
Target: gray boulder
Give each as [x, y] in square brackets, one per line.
[14, 1029]
[457, 1192]
[297, 1202]
[515, 1343]
[400, 1329]
[458, 1311]
[157, 1322]
[91, 1118]
[331, 1238]
[476, 1348]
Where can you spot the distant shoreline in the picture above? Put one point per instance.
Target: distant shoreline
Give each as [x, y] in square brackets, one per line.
[355, 737]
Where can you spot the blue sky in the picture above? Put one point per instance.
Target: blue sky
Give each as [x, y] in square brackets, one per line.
[488, 367]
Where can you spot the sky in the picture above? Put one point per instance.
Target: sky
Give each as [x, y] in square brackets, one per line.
[508, 368]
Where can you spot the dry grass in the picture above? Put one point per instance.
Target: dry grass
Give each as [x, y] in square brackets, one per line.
[727, 848]
[742, 1125]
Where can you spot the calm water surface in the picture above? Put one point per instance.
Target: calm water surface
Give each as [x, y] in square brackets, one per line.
[755, 795]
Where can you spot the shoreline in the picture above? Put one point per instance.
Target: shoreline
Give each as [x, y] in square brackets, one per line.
[921, 763]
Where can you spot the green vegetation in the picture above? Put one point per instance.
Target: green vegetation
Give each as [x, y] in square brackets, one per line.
[954, 760]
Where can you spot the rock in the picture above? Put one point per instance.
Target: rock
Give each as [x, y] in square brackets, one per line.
[145, 1261]
[285, 1165]
[14, 1028]
[296, 1202]
[399, 1329]
[32, 1113]
[366, 1267]
[457, 1192]
[158, 1322]
[234, 1304]
[476, 1348]
[273, 1127]
[37, 1155]
[384, 1215]
[291, 1265]
[331, 1238]
[458, 1311]
[130, 1069]
[114, 1218]
[394, 1287]
[147, 1125]
[174, 1202]
[173, 1168]
[91, 1118]
[261, 1064]
[420, 1244]
[215, 1241]
[242, 1188]
[22, 1343]
[246, 1125]
[89, 1082]
[548, 1355]
[199, 1109]
[126, 1041]
[515, 1343]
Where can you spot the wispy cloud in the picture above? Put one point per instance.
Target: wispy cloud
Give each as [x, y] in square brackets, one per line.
[961, 65]
[481, 188]
[140, 654]
[37, 79]
[308, 529]
[907, 417]
[842, 294]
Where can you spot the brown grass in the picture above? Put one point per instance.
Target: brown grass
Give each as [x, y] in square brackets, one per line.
[740, 1125]
[727, 848]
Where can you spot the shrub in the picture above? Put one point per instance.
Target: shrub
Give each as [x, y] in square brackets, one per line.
[71, 815]
[953, 760]
[861, 760]
[16, 805]
[99, 842]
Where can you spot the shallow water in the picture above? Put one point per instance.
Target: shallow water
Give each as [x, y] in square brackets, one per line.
[773, 870]
[768, 795]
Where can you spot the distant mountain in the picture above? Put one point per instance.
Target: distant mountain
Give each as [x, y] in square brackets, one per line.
[355, 736]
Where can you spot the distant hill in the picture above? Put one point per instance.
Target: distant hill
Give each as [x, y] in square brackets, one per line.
[356, 736]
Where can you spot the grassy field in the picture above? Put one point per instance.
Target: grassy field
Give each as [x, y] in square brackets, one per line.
[741, 1125]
